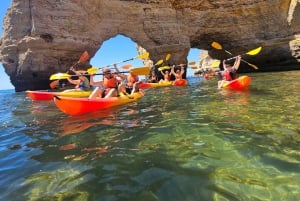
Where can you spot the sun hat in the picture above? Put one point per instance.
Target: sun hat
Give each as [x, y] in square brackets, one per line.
[106, 70]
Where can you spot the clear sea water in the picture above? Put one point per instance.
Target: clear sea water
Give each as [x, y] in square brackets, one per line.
[175, 144]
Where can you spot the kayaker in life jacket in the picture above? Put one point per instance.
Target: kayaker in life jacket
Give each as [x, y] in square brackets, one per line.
[132, 83]
[81, 84]
[178, 73]
[230, 71]
[153, 77]
[166, 75]
[108, 87]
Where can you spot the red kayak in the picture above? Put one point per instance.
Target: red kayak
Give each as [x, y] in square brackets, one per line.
[77, 106]
[240, 83]
[48, 95]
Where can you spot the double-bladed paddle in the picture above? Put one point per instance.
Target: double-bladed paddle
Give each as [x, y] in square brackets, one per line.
[135, 71]
[253, 52]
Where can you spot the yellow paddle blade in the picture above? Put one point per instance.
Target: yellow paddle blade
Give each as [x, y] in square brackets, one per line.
[59, 76]
[140, 71]
[143, 56]
[168, 57]
[159, 62]
[92, 70]
[254, 51]
[192, 63]
[164, 68]
[216, 45]
[215, 63]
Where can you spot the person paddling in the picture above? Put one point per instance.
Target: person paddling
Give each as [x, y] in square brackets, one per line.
[166, 75]
[132, 83]
[81, 84]
[108, 87]
[178, 73]
[230, 71]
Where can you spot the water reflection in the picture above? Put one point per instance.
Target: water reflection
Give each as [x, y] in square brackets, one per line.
[177, 143]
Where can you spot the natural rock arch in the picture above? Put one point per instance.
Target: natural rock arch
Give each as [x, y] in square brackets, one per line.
[44, 37]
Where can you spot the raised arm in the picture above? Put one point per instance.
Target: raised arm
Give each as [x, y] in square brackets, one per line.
[93, 82]
[172, 70]
[118, 72]
[182, 70]
[237, 62]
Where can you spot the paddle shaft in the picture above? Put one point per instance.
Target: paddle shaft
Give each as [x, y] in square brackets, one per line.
[141, 56]
[252, 65]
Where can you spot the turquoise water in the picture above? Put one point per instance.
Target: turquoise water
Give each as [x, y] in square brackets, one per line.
[175, 144]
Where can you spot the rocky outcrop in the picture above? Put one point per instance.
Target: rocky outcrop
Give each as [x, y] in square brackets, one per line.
[43, 37]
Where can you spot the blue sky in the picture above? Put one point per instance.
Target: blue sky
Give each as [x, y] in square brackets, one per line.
[114, 50]
[5, 82]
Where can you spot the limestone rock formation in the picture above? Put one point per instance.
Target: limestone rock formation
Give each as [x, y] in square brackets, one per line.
[43, 37]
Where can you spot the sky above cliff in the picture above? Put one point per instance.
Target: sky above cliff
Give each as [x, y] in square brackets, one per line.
[114, 50]
[5, 82]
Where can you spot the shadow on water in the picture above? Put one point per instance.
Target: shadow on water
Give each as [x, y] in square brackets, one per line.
[176, 143]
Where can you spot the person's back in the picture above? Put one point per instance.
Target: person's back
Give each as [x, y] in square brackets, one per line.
[230, 71]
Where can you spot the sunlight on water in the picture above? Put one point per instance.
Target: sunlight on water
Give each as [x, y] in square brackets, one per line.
[177, 143]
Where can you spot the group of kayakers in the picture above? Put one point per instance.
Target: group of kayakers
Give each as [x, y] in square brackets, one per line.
[227, 71]
[166, 74]
[112, 84]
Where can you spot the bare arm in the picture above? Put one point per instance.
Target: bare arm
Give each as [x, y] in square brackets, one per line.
[172, 70]
[118, 72]
[182, 70]
[237, 62]
[72, 81]
[93, 83]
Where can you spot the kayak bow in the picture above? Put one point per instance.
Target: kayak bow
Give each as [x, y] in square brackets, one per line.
[78, 106]
[48, 95]
[240, 83]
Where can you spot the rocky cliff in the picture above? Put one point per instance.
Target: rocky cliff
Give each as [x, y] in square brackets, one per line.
[43, 37]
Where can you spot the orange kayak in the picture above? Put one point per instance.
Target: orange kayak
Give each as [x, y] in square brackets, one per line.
[182, 82]
[48, 95]
[77, 106]
[240, 83]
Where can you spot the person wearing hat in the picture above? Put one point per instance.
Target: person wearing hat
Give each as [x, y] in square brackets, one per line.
[230, 71]
[131, 84]
[81, 84]
[108, 87]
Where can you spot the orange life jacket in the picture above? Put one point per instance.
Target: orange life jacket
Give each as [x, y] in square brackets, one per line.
[167, 77]
[110, 83]
[131, 79]
[228, 76]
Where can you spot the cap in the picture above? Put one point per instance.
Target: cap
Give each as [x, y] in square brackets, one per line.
[106, 70]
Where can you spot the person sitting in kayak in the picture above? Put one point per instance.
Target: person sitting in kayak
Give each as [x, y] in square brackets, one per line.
[230, 71]
[81, 84]
[178, 73]
[106, 88]
[153, 77]
[132, 84]
[166, 75]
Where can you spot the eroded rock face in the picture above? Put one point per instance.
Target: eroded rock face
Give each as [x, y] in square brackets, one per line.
[44, 37]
